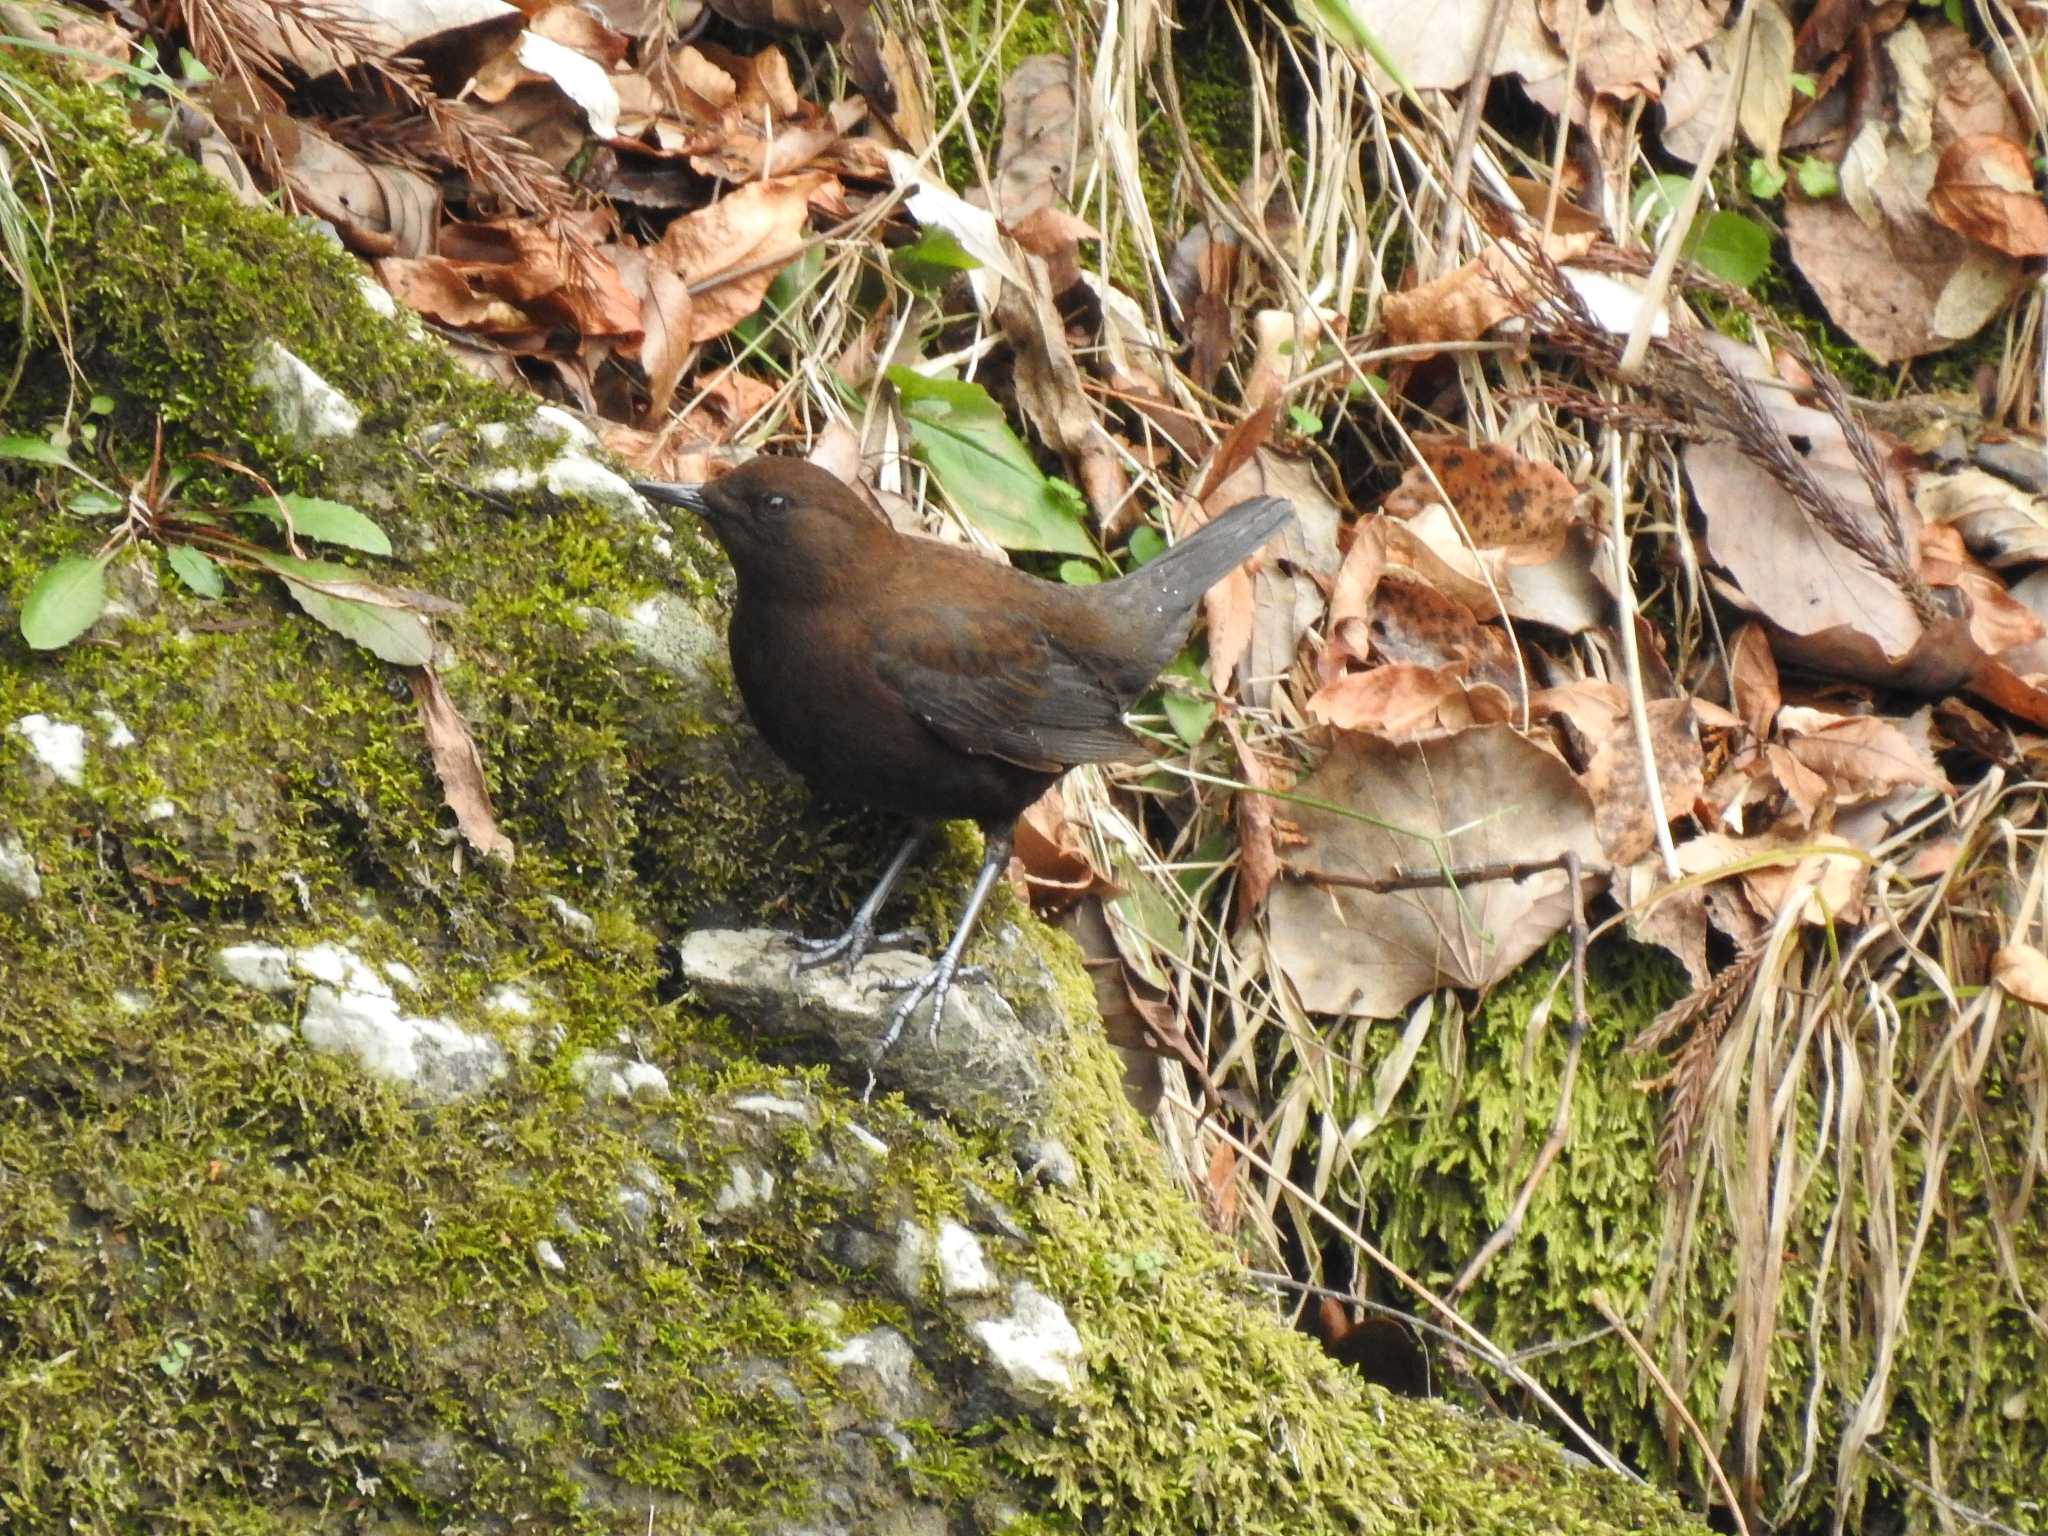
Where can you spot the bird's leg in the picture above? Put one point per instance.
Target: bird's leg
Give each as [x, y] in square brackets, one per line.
[860, 936]
[936, 982]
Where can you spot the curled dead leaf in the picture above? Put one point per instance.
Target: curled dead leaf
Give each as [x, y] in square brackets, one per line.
[2022, 970]
[459, 766]
[1984, 190]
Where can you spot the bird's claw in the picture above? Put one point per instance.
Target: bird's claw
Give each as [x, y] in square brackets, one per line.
[935, 984]
[852, 945]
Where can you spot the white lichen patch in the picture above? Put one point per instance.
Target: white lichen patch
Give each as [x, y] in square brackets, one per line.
[351, 1011]
[603, 1075]
[963, 1269]
[510, 1001]
[18, 870]
[766, 1106]
[1035, 1347]
[745, 1186]
[113, 729]
[57, 744]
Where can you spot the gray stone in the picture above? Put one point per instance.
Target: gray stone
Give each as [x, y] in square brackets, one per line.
[987, 1064]
[745, 1187]
[304, 405]
[582, 924]
[963, 1270]
[882, 1361]
[603, 1075]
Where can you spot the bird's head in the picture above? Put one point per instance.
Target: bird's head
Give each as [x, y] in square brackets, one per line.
[780, 520]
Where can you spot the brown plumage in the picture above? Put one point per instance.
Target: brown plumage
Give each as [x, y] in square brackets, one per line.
[920, 678]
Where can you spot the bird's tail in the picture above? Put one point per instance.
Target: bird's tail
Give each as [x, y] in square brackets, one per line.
[1167, 587]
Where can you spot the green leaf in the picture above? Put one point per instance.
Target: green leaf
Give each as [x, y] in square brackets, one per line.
[1765, 179]
[100, 405]
[931, 258]
[1735, 249]
[396, 635]
[1079, 573]
[1304, 421]
[1190, 714]
[94, 504]
[1147, 543]
[331, 522]
[63, 603]
[959, 433]
[1658, 199]
[196, 569]
[1817, 178]
[34, 450]
[1804, 84]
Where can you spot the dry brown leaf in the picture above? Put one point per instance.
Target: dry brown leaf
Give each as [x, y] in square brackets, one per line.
[2022, 970]
[1984, 190]
[723, 401]
[1044, 149]
[1756, 692]
[1615, 780]
[1997, 622]
[2001, 524]
[1347, 632]
[1438, 44]
[1413, 622]
[1774, 873]
[1483, 797]
[1258, 856]
[730, 251]
[1887, 272]
[459, 766]
[1055, 861]
[1506, 502]
[1399, 701]
[1289, 583]
[1626, 50]
[1861, 756]
[1767, 787]
[1831, 610]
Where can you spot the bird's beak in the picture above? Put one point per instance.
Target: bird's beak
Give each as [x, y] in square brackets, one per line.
[689, 497]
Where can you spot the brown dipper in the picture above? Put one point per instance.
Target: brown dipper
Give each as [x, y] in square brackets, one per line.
[920, 678]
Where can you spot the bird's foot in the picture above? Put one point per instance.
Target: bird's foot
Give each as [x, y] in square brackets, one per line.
[853, 944]
[934, 984]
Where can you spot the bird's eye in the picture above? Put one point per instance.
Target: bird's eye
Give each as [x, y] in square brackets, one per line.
[774, 503]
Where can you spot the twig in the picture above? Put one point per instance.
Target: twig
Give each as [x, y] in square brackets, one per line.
[1560, 1122]
[1632, 661]
[1444, 875]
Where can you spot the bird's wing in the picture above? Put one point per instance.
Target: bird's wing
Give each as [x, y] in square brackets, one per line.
[1003, 687]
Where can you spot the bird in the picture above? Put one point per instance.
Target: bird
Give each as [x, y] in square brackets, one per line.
[921, 678]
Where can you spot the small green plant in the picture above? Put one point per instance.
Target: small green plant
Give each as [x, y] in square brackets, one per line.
[1732, 247]
[198, 542]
